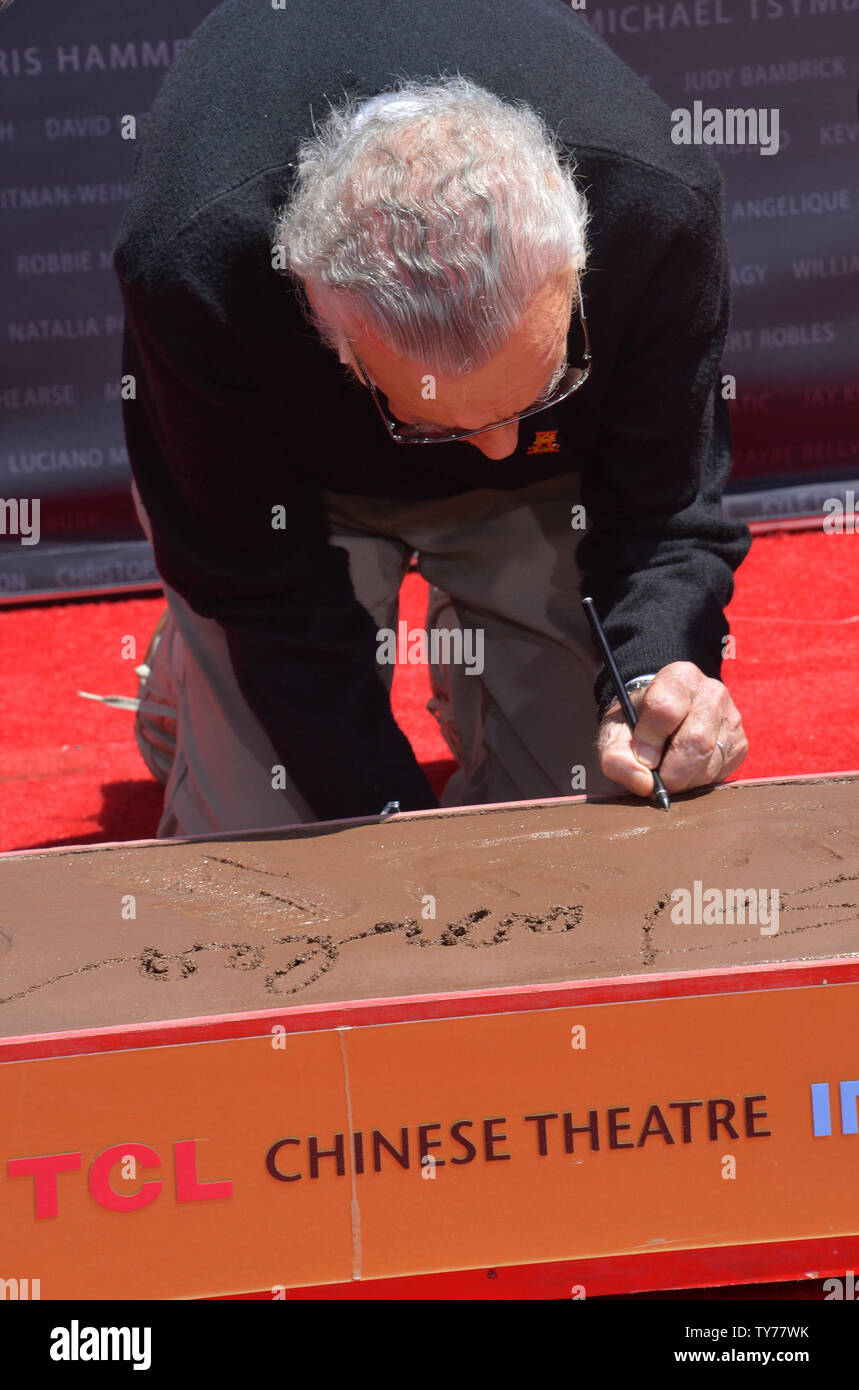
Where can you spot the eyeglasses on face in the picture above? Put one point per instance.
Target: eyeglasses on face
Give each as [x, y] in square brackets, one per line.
[403, 433]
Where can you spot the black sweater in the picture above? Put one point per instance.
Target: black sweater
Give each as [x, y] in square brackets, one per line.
[240, 408]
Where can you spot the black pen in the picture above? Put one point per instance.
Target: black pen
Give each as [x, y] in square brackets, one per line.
[621, 692]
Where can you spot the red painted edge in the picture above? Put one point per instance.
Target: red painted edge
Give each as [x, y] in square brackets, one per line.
[708, 1267]
[415, 1008]
[814, 522]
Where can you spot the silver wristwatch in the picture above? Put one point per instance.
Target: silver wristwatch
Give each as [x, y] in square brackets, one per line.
[640, 682]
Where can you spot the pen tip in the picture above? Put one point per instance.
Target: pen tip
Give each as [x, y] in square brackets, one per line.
[662, 798]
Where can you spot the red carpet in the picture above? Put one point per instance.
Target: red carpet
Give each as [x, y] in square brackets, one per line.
[71, 773]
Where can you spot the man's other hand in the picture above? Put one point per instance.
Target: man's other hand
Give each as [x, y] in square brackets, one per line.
[681, 714]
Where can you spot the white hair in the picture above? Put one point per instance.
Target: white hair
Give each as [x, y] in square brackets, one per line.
[430, 215]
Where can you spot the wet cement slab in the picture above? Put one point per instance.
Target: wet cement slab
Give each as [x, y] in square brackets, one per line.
[472, 899]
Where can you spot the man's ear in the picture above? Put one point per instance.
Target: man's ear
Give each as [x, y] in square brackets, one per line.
[344, 352]
[344, 349]
[348, 359]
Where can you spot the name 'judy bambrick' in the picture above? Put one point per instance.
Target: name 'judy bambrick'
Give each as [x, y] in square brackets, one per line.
[733, 126]
[76, 1343]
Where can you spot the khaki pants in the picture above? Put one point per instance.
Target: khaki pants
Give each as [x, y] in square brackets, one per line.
[501, 568]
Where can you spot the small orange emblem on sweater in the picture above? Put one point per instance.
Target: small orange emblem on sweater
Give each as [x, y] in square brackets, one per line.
[545, 442]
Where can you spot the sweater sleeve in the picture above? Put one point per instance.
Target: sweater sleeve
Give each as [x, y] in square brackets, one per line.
[210, 454]
[659, 556]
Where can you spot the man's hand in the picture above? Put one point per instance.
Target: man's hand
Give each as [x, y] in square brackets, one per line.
[690, 709]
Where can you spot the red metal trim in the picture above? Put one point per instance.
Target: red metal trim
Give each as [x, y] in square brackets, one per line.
[763, 525]
[415, 1008]
[708, 1267]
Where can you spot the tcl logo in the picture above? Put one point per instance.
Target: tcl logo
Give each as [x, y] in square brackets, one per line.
[45, 1170]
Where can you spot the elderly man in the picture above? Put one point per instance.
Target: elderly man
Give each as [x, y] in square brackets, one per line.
[479, 211]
